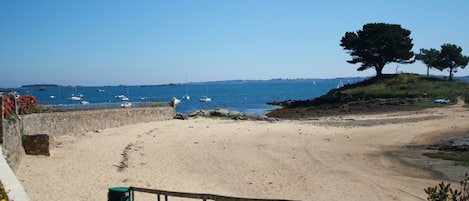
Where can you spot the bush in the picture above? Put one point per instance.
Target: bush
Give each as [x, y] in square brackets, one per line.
[8, 105]
[3, 193]
[27, 104]
[444, 192]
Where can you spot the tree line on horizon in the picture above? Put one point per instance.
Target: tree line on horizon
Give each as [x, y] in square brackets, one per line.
[378, 44]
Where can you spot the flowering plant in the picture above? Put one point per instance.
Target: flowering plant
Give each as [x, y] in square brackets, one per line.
[27, 104]
[8, 105]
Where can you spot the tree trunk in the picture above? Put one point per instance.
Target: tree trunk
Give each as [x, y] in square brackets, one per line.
[450, 73]
[379, 70]
[428, 71]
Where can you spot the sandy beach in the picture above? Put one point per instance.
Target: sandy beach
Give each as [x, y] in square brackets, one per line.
[330, 158]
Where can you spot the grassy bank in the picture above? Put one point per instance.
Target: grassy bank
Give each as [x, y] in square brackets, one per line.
[408, 86]
[387, 93]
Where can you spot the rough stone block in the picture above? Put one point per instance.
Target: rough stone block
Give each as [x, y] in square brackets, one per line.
[36, 144]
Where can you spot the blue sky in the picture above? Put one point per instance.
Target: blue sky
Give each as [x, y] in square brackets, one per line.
[95, 43]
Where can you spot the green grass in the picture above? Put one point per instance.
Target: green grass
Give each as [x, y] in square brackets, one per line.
[453, 156]
[409, 86]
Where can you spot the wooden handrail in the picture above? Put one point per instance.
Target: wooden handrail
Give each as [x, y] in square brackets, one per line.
[201, 196]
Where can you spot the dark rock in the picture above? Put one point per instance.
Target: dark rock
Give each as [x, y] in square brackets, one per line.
[179, 116]
[36, 144]
[219, 112]
[203, 113]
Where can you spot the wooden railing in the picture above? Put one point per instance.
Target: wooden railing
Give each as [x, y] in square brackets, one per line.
[204, 197]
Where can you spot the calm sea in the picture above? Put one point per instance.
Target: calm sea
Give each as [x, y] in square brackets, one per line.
[242, 96]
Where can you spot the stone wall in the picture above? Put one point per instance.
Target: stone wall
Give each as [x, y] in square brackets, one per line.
[1, 119]
[71, 123]
[12, 146]
[57, 124]
[10, 139]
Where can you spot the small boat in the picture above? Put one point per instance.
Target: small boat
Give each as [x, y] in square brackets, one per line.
[74, 98]
[122, 97]
[126, 104]
[441, 101]
[84, 102]
[205, 99]
[100, 90]
[186, 96]
[51, 97]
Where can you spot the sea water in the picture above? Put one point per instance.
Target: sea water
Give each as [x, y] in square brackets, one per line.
[243, 96]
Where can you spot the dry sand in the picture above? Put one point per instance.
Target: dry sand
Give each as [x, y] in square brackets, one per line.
[333, 158]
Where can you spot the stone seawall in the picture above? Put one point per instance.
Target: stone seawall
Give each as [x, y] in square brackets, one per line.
[75, 122]
[71, 123]
[12, 146]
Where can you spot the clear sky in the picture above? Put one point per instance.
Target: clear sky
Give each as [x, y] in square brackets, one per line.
[111, 42]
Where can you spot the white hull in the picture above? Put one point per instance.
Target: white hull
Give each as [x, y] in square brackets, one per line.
[205, 99]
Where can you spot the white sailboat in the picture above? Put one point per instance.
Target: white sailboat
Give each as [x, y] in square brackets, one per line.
[74, 98]
[340, 84]
[186, 96]
[205, 98]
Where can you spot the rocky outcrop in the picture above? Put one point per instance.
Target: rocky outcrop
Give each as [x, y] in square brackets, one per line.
[224, 113]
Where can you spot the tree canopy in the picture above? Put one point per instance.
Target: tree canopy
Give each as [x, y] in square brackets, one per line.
[451, 58]
[429, 58]
[378, 44]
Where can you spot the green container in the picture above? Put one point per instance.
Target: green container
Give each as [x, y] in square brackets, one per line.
[118, 194]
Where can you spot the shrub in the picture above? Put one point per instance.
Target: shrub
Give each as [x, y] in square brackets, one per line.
[3, 193]
[444, 192]
[27, 104]
[8, 105]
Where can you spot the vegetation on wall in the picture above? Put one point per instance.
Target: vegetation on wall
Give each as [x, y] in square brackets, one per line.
[26, 104]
